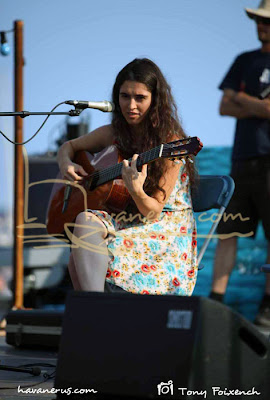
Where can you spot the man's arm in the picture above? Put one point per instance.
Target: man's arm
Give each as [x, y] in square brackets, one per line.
[241, 105]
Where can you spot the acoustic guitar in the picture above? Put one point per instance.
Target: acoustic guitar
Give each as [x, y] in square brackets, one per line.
[103, 188]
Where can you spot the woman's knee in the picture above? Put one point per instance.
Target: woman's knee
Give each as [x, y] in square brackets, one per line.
[86, 219]
[83, 217]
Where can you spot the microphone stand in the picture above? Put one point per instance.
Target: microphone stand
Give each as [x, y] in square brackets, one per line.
[18, 273]
[23, 114]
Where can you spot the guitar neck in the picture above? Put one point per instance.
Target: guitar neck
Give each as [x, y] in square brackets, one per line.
[176, 149]
[109, 174]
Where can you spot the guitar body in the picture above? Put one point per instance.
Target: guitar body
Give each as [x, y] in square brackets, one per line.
[111, 196]
[103, 189]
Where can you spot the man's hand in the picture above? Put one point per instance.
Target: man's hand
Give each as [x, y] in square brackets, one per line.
[254, 106]
[241, 105]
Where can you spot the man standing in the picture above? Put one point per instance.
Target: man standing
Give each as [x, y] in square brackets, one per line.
[242, 87]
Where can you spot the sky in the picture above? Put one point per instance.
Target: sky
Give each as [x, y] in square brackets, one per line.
[74, 50]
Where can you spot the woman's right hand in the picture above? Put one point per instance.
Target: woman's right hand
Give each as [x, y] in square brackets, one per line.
[72, 172]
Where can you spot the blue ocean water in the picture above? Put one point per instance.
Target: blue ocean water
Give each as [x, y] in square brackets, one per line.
[246, 285]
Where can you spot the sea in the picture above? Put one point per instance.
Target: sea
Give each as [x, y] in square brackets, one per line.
[246, 285]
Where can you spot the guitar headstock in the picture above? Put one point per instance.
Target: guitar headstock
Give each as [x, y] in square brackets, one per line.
[182, 148]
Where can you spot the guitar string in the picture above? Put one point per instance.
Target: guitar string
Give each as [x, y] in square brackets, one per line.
[111, 172]
[144, 158]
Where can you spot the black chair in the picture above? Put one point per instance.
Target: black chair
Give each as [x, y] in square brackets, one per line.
[211, 192]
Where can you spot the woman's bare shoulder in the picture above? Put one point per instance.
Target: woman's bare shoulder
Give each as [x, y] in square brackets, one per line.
[96, 140]
[104, 133]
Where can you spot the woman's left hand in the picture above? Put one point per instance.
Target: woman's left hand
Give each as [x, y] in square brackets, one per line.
[133, 179]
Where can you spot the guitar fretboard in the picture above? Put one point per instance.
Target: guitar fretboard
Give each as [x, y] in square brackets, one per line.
[115, 171]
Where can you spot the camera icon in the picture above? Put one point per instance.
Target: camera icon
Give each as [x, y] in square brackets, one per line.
[165, 388]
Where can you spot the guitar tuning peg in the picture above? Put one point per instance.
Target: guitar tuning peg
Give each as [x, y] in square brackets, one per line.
[184, 161]
[190, 160]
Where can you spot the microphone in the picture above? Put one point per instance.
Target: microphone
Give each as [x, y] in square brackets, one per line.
[36, 371]
[105, 106]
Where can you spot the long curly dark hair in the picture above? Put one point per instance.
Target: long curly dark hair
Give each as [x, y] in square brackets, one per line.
[160, 124]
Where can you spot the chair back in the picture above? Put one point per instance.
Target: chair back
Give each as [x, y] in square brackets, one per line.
[211, 192]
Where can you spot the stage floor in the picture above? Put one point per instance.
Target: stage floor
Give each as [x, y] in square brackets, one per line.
[14, 385]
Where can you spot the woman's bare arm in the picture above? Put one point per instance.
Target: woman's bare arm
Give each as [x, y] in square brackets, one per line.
[93, 142]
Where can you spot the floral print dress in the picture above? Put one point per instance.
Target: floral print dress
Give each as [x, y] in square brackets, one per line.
[157, 257]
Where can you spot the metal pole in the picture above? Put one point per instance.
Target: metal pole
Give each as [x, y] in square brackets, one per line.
[19, 169]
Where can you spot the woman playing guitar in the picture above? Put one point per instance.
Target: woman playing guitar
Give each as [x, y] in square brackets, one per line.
[150, 247]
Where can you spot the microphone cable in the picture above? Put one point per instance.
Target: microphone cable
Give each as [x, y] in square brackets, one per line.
[36, 372]
[32, 137]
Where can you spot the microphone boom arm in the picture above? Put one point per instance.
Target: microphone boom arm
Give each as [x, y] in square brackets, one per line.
[23, 114]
